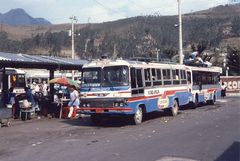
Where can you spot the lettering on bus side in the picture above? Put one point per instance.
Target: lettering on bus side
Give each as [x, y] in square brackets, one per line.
[154, 91]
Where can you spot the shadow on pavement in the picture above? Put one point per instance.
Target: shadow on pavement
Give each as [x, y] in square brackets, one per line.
[115, 121]
[105, 122]
[232, 153]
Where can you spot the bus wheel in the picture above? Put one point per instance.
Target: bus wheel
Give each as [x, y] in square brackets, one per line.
[138, 116]
[8, 123]
[195, 103]
[96, 119]
[213, 101]
[175, 108]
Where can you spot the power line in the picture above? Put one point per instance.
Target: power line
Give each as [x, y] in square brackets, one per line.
[107, 8]
[140, 7]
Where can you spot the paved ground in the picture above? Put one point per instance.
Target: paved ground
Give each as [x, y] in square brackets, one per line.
[207, 133]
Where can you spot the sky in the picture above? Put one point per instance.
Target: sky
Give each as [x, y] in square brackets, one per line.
[97, 11]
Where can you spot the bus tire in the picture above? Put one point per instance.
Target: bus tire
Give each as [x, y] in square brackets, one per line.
[8, 123]
[195, 103]
[213, 101]
[96, 119]
[138, 116]
[175, 108]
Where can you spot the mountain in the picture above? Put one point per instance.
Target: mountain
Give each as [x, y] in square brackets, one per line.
[20, 17]
[215, 28]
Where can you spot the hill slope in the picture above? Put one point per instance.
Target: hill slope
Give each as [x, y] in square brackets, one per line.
[217, 27]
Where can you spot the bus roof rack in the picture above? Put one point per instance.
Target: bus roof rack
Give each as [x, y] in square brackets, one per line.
[197, 64]
[153, 60]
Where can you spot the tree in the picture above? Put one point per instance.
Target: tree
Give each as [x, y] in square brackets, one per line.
[3, 41]
[233, 60]
[236, 26]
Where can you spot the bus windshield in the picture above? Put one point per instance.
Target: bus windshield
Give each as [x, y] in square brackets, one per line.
[91, 77]
[21, 82]
[115, 76]
[107, 76]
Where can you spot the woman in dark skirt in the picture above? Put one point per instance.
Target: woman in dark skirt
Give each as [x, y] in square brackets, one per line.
[223, 91]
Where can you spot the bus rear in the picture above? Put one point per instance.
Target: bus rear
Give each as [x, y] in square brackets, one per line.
[14, 78]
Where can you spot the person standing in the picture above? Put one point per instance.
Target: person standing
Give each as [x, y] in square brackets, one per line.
[45, 88]
[74, 101]
[223, 91]
[29, 96]
[11, 96]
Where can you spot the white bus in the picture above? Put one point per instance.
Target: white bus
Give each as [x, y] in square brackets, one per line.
[15, 78]
[204, 84]
[118, 87]
[42, 75]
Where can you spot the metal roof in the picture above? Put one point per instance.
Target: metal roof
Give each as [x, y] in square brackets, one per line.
[39, 62]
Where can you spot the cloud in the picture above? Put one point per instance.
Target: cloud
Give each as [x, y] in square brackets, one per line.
[97, 13]
[59, 11]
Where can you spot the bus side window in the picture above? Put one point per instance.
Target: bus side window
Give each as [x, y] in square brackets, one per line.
[13, 79]
[136, 80]
[140, 81]
[189, 77]
[159, 77]
[209, 78]
[133, 77]
[197, 78]
[156, 73]
[175, 76]
[216, 78]
[167, 77]
[183, 77]
[147, 77]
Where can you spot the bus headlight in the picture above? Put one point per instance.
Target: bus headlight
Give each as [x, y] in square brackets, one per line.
[121, 104]
[118, 104]
[88, 105]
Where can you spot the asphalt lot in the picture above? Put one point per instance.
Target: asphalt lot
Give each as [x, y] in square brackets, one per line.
[208, 133]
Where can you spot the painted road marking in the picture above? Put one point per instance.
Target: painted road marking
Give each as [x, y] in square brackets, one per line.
[175, 159]
[222, 100]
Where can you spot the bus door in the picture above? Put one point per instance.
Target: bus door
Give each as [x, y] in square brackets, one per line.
[136, 81]
[189, 81]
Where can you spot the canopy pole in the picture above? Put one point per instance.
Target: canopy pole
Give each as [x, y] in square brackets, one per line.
[51, 76]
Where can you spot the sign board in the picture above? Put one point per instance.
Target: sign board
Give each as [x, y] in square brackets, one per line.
[232, 83]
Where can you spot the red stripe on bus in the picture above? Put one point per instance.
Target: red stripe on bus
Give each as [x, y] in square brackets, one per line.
[169, 93]
[142, 98]
[166, 93]
[212, 90]
[91, 94]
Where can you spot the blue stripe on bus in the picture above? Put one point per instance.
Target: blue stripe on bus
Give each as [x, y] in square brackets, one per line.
[152, 104]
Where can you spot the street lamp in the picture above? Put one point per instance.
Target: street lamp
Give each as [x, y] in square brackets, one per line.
[180, 32]
[74, 20]
[227, 69]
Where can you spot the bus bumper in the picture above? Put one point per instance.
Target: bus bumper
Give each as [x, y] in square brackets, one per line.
[105, 110]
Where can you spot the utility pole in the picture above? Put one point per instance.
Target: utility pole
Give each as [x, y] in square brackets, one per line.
[74, 20]
[227, 71]
[180, 32]
[157, 52]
